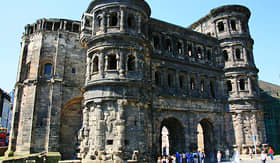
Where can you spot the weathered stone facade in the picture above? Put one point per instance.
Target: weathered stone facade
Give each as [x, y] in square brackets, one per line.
[104, 87]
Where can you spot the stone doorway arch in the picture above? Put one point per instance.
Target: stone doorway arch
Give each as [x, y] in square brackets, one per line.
[206, 137]
[175, 135]
[71, 122]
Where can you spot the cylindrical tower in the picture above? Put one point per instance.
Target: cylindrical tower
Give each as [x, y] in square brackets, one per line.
[231, 28]
[116, 97]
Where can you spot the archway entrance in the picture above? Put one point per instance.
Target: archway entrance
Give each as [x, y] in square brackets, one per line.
[174, 135]
[205, 137]
[71, 122]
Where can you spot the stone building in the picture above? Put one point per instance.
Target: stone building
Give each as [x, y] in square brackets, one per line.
[104, 88]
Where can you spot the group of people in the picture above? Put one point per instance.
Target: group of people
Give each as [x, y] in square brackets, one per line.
[198, 157]
[264, 155]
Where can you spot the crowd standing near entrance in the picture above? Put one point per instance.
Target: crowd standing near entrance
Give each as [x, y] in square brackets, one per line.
[195, 157]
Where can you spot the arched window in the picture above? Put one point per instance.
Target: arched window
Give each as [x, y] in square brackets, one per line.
[95, 64]
[202, 85]
[221, 27]
[229, 86]
[182, 81]
[131, 63]
[156, 42]
[112, 62]
[189, 50]
[130, 21]
[192, 83]
[179, 47]
[242, 84]
[48, 69]
[168, 45]
[157, 78]
[113, 19]
[225, 54]
[238, 53]
[212, 89]
[199, 53]
[233, 25]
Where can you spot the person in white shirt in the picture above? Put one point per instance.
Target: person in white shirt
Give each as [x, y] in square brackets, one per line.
[219, 157]
[263, 156]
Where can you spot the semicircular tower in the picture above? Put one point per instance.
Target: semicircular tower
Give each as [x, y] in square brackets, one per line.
[230, 25]
[116, 96]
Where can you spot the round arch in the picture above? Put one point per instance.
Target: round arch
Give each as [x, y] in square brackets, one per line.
[206, 136]
[70, 124]
[176, 134]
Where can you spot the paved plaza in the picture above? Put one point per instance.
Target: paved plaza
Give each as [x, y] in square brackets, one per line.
[254, 161]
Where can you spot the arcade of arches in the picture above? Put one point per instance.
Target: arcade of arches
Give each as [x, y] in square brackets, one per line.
[172, 137]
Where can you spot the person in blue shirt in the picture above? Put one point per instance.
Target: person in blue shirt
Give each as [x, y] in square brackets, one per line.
[177, 157]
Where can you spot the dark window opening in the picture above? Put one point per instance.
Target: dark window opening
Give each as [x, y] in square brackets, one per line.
[112, 62]
[190, 50]
[68, 26]
[49, 26]
[73, 71]
[99, 21]
[242, 84]
[208, 53]
[192, 83]
[238, 53]
[170, 80]
[95, 64]
[56, 26]
[221, 27]
[199, 53]
[76, 28]
[181, 81]
[157, 78]
[126, 142]
[233, 25]
[87, 22]
[179, 47]
[130, 21]
[113, 19]
[48, 69]
[225, 54]
[212, 89]
[31, 30]
[110, 142]
[156, 42]
[131, 63]
[229, 86]
[168, 45]
[244, 27]
[202, 85]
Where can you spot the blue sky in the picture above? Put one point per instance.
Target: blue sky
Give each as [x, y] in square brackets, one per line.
[264, 25]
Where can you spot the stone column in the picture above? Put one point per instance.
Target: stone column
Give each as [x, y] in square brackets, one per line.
[103, 23]
[139, 22]
[61, 25]
[102, 64]
[244, 55]
[236, 86]
[65, 23]
[100, 128]
[122, 64]
[122, 20]
[250, 88]
[238, 125]
[88, 73]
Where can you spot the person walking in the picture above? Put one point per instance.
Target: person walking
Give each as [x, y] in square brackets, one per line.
[263, 157]
[202, 156]
[250, 152]
[271, 152]
[219, 157]
[159, 160]
[177, 157]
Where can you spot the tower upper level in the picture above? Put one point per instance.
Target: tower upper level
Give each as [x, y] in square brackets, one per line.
[225, 22]
[114, 16]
